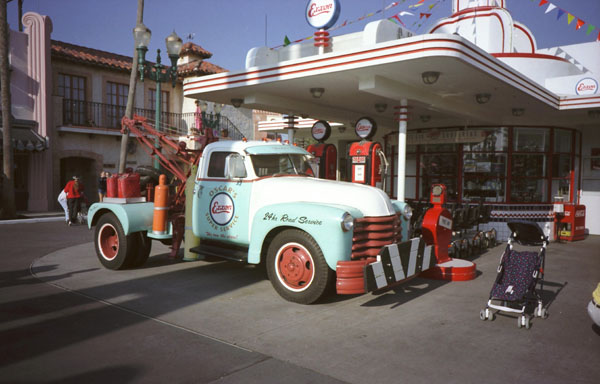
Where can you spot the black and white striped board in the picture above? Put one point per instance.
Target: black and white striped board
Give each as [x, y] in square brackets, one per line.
[397, 262]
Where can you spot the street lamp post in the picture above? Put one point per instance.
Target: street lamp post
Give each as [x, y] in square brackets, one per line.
[141, 36]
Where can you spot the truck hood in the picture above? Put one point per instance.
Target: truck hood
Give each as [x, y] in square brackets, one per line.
[369, 200]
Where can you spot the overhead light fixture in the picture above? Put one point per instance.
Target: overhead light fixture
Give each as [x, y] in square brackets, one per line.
[317, 92]
[380, 107]
[430, 77]
[425, 118]
[237, 102]
[518, 112]
[482, 98]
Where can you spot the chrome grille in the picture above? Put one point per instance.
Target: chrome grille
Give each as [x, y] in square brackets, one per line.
[372, 233]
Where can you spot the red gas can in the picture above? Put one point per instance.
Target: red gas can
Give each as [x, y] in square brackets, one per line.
[129, 185]
[112, 190]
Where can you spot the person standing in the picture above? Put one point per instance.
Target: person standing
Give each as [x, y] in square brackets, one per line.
[74, 191]
[102, 185]
[62, 200]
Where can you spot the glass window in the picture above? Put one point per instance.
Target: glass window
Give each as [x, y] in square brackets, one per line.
[528, 190]
[496, 139]
[439, 164]
[72, 88]
[528, 165]
[439, 168]
[531, 139]
[282, 164]
[216, 165]
[560, 188]
[484, 177]
[164, 100]
[116, 98]
[561, 165]
[562, 140]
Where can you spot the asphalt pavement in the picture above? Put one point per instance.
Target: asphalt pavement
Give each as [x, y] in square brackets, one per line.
[64, 318]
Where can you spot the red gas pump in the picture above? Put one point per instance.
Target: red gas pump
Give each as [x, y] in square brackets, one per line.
[325, 154]
[437, 224]
[366, 160]
[437, 231]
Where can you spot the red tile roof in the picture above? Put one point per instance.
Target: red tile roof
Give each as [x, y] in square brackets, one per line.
[199, 68]
[96, 57]
[190, 47]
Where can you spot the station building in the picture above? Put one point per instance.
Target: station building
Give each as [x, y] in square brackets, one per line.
[473, 104]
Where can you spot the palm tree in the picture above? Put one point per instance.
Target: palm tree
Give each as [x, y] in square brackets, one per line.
[8, 181]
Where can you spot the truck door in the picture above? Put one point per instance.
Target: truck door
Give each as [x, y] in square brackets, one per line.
[221, 205]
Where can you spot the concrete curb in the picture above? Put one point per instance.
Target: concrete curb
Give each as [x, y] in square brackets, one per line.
[32, 220]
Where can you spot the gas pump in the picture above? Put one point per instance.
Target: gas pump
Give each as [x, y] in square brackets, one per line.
[437, 231]
[367, 162]
[325, 154]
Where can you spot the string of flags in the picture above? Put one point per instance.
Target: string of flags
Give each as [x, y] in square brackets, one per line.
[396, 18]
[570, 17]
[425, 13]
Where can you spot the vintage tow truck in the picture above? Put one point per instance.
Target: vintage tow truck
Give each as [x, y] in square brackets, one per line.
[258, 202]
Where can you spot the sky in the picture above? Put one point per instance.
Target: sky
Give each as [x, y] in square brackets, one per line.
[229, 28]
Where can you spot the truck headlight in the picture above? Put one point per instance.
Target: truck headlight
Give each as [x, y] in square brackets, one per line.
[407, 212]
[347, 222]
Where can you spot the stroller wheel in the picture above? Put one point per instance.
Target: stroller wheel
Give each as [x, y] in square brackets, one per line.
[541, 312]
[482, 315]
[523, 321]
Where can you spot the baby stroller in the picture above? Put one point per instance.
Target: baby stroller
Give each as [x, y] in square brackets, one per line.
[518, 275]
[82, 214]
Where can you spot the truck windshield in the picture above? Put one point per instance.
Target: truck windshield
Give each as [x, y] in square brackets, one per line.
[282, 164]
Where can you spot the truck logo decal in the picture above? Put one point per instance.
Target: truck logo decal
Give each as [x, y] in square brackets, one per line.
[222, 208]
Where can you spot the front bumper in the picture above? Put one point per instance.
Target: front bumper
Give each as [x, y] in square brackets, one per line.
[393, 264]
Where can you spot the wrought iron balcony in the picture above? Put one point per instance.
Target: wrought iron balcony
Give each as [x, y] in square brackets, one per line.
[108, 116]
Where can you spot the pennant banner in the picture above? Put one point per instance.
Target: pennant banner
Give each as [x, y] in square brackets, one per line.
[395, 18]
[570, 17]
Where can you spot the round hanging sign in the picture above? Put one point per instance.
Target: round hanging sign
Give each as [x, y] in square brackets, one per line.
[586, 86]
[321, 130]
[365, 128]
[322, 14]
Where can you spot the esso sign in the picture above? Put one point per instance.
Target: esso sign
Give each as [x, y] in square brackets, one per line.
[222, 208]
[322, 14]
[321, 130]
[587, 86]
[365, 128]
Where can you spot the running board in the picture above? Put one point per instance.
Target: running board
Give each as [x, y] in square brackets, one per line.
[238, 255]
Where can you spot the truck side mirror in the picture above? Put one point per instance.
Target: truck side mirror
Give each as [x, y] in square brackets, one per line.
[235, 167]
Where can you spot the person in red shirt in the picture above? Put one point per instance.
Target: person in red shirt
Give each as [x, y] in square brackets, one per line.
[74, 191]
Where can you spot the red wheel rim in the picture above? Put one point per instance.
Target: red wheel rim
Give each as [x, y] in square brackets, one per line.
[295, 267]
[108, 241]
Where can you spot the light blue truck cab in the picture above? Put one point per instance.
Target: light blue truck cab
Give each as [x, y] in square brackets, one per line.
[258, 202]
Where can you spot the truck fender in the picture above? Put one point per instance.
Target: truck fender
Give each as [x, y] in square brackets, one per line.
[322, 222]
[134, 217]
